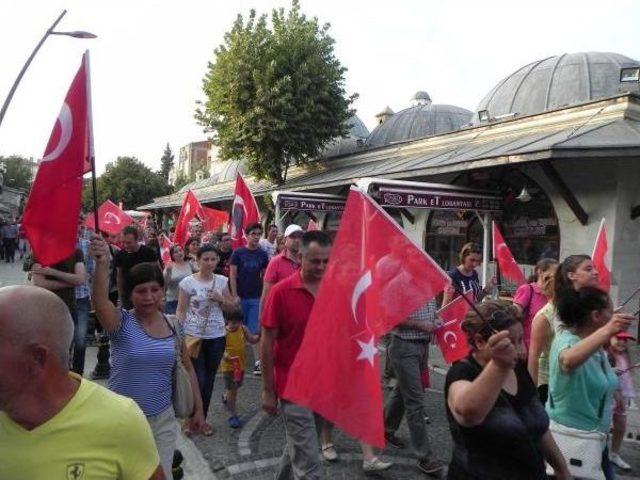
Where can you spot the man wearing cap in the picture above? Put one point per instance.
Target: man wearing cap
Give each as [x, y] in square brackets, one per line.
[285, 264]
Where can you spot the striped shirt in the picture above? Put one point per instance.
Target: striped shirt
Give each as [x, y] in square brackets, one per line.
[142, 366]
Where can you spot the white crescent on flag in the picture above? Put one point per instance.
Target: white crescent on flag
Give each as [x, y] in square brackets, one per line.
[111, 217]
[65, 119]
[361, 286]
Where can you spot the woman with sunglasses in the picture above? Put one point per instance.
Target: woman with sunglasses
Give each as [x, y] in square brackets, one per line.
[581, 380]
[575, 272]
[499, 427]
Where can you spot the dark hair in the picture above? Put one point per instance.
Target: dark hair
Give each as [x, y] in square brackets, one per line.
[251, 227]
[569, 265]
[315, 236]
[207, 247]
[172, 249]
[232, 314]
[468, 249]
[130, 231]
[272, 226]
[496, 315]
[190, 241]
[142, 273]
[542, 266]
[575, 306]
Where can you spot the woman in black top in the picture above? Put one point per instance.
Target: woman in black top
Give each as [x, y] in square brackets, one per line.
[464, 278]
[499, 427]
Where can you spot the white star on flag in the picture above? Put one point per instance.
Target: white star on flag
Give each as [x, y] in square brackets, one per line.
[369, 350]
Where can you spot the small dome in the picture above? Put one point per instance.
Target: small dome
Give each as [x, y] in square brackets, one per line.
[357, 128]
[358, 132]
[421, 97]
[421, 120]
[554, 82]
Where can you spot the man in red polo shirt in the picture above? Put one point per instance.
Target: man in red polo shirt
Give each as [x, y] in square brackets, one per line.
[284, 265]
[284, 319]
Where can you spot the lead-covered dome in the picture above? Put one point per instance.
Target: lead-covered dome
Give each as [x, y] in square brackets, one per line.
[358, 132]
[422, 120]
[555, 82]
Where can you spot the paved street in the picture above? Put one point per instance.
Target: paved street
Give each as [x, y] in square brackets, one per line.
[252, 452]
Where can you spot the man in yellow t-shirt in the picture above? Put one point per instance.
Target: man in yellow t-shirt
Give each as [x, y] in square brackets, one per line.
[53, 423]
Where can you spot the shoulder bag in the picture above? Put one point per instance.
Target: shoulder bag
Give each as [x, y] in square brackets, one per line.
[183, 402]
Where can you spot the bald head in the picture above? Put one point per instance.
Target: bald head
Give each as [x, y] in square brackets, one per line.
[31, 315]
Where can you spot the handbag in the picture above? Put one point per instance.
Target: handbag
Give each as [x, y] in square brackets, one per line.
[193, 345]
[582, 450]
[183, 401]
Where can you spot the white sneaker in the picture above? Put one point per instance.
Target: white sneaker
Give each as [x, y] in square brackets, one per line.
[329, 452]
[375, 465]
[619, 462]
[256, 368]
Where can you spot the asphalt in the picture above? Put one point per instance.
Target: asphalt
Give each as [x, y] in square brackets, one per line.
[252, 452]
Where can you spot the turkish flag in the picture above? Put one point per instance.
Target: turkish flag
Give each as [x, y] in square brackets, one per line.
[110, 218]
[450, 337]
[375, 278]
[213, 219]
[508, 266]
[602, 258]
[312, 226]
[244, 212]
[52, 210]
[190, 209]
[165, 245]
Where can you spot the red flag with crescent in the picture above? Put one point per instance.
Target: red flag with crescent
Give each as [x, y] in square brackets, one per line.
[244, 212]
[508, 266]
[602, 258]
[110, 217]
[375, 278]
[190, 209]
[52, 210]
[213, 219]
[450, 337]
[165, 245]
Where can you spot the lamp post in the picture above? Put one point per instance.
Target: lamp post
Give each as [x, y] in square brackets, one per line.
[50, 31]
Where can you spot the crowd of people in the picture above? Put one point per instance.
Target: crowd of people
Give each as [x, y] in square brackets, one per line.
[546, 371]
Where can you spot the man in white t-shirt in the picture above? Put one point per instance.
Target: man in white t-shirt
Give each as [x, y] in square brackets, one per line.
[269, 244]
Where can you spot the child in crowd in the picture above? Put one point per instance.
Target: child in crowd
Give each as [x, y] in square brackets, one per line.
[623, 397]
[233, 361]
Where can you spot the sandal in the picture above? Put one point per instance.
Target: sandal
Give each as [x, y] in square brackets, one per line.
[329, 452]
[207, 430]
[186, 428]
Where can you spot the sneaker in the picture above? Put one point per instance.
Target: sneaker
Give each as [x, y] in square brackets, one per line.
[329, 452]
[375, 465]
[394, 441]
[429, 466]
[234, 421]
[619, 462]
[256, 368]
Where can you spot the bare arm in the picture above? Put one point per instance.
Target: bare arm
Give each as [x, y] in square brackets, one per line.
[266, 364]
[233, 278]
[252, 338]
[183, 301]
[74, 279]
[539, 333]
[554, 457]
[106, 312]
[186, 360]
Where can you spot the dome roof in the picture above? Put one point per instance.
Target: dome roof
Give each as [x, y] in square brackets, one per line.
[358, 132]
[555, 82]
[421, 96]
[419, 121]
[357, 128]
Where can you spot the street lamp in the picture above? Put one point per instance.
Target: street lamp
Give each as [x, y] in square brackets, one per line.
[50, 31]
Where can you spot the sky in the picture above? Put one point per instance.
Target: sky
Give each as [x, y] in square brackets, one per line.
[150, 56]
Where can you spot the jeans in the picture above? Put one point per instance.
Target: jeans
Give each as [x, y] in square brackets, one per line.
[251, 313]
[80, 323]
[301, 458]
[408, 358]
[607, 468]
[206, 367]
[170, 307]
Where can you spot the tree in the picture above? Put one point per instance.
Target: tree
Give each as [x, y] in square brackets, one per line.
[128, 181]
[182, 180]
[275, 94]
[166, 163]
[17, 172]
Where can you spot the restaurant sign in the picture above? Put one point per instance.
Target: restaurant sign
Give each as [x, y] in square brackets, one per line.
[440, 200]
[310, 204]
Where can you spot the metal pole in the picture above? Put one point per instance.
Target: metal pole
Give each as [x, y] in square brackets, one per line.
[486, 241]
[278, 219]
[26, 65]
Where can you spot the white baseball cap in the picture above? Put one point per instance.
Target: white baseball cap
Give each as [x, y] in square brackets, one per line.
[291, 229]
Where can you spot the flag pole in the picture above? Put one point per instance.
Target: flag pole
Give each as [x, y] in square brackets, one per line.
[90, 151]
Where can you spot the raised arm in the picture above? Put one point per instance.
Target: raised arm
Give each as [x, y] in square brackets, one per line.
[106, 312]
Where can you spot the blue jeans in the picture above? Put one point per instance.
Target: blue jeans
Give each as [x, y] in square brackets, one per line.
[206, 367]
[80, 323]
[170, 307]
[251, 313]
[607, 468]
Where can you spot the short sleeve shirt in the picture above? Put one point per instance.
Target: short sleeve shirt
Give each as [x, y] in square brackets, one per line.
[287, 309]
[268, 247]
[531, 299]
[204, 317]
[280, 267]
[466, 283]
[127, 260]
[98, 435]
[515, 425]
[583, 398]
[250, 265]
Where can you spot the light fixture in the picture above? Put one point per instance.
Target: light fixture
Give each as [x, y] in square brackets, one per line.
[483, 116]
[76, 34]
[524, 196]
[630, 74]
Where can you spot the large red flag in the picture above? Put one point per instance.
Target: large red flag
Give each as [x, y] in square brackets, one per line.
[376, 277]
[243, 213]
[213, 219]
[450, 337]
[165, 245]
[602, 258]
[190, 209]
[110, 218]
[51, 214]
[508, 266]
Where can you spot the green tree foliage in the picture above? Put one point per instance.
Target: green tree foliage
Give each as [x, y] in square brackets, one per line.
[275, 93]
[166, 163]
[182, 180]
[17, 172]
[126, 180]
